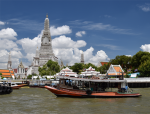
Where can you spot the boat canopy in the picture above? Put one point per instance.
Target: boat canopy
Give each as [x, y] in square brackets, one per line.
[91, 80]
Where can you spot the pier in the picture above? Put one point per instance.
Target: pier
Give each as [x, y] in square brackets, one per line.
[132, 82]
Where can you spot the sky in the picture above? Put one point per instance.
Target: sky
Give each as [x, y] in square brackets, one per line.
[102, 29]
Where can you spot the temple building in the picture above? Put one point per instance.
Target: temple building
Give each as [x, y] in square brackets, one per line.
[82, 57]
[115, 70]
[90, 72]
[45, 53]
[20, 71]
[67, 72]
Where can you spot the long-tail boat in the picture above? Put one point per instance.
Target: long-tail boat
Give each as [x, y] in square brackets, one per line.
[91, 88]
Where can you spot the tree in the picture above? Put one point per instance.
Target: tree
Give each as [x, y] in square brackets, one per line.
[103, 69]
[122, 60]
[0, 74]
[139, 58]
[29, 77]
[77, 67]
[51, 67]
[144, 68]
[90, 64]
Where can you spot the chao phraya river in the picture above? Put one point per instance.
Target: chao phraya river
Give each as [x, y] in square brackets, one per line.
[42, 101]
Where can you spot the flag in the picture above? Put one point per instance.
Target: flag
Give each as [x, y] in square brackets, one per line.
[135, 70]
[84, 69]
[129, 70]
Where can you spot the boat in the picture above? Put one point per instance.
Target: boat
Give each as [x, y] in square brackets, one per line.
[15, 86]
[5, 88]
[91, 88]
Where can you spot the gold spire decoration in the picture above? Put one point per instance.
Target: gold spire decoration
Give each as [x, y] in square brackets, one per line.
[46, 15]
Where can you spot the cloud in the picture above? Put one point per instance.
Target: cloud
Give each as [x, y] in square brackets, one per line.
[108, 27]
[145, 7]
[112, 47]
[8, 44]
[60, 30]
[145, 47]
[108, 16]
[15, 55]
[67, 42]
[2, 23]
[80, 33]
[8, 33]
[129, 55]
[100, 56]
[30, 45]
[100, 26]
[26, 24]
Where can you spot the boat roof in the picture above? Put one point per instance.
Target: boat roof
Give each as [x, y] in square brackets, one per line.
[92, 80]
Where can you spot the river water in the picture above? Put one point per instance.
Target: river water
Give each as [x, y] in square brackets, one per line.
[42, 101]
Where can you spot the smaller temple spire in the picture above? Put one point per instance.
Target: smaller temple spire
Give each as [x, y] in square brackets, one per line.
[9, 61]
[82, 57]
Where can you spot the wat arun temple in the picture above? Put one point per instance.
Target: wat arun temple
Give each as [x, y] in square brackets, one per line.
[45, 53]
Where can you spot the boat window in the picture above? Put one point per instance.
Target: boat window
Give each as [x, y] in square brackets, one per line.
[61, 81]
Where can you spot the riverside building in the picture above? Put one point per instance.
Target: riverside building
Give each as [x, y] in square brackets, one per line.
[9, 72]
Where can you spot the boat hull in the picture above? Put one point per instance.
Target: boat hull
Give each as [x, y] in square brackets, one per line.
[83, 94]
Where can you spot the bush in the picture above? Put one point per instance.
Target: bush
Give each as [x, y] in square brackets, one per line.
[29, 77]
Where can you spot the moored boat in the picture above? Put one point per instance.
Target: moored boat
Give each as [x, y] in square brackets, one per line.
[15, 86]
[91, 88]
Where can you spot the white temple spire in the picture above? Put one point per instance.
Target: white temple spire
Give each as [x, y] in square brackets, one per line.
[9, 64]
[82, 57]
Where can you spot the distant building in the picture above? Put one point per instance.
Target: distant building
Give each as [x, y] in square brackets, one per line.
[21, 71]
[82, 57]
[9, 64]
[8, 73]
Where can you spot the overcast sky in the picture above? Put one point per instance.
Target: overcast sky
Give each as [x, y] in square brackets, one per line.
[102, 29]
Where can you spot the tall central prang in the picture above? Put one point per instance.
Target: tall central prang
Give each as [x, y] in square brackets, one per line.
[46, 51]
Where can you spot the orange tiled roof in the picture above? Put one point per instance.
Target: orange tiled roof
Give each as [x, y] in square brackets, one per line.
[6, 76]
[116, 73]
[104, 63]
[117, 68]
[4, 71]
[11, 71]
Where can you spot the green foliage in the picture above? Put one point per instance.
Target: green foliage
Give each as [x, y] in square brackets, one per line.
[29, 77]
[90, 64]
[77, 67]
[34, 74]
[50, 67]
[123, 60]
[103, 69]
[38, 77]
[144, 68]
[139, 58]
[2, 77]
[0, 73]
